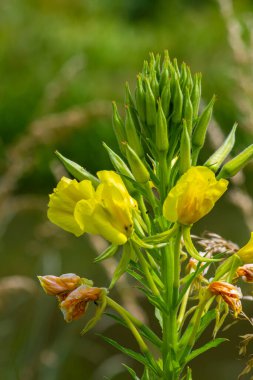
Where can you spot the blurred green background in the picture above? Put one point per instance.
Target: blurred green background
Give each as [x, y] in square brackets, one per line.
[62, 63]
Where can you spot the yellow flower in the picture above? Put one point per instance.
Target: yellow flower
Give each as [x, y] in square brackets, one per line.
[63, 201]
[193, 196]
[246, 252]
[109, 213]
[78, 208]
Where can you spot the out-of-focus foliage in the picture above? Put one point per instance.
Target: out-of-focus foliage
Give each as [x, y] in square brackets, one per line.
[62, 62]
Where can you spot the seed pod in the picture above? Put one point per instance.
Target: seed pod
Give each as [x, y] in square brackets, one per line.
[138, 168]
[214, 162]
[236, 164]
[162, 142]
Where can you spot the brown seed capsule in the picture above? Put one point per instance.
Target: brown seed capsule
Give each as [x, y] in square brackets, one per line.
[77, 301]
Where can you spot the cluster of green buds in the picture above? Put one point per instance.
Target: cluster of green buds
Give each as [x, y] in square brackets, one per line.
[163, 119]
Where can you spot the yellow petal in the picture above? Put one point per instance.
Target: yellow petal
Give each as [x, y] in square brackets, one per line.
[246, 252]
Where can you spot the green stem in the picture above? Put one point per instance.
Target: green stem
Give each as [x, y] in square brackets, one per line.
[163, 176]
[146, 270]
[171, 279]
[144, 213]
[125, 315]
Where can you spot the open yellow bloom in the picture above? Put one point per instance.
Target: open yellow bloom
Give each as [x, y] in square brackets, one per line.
[193, 196]
[63, 201]
[246, 252]
[78, 208]
[109, 213]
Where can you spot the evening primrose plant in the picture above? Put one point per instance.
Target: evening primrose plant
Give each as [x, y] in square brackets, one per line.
[146, 209]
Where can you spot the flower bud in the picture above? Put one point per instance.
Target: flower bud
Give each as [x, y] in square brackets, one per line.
[185, 150]
[246, 272]
[162, 142]
[118, 127]
[214, 162]
[188, 110]
[76, 170]
[246, 252]
[236, 164]
[150, 105]
[77, 301]
[199, 133]
[166, 97]
[230, 294]
[54, 285]
[196, 94]
[177, 100]
[133, 138]
[138, 168]
[140, 99]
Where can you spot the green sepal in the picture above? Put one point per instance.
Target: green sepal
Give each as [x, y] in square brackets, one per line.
[212, 344]
[98, 314]
[233, 166]
[192, 250]
[166, 97]
[214, 162]
[76, 170]
[122, 265]
[108, 252]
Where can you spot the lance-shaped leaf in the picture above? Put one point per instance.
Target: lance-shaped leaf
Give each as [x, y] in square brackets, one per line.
[108, 252]
[212, 344]
[131, 372]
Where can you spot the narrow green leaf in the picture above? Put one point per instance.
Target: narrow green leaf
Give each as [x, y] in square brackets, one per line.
[212, 344]
[108, 252]
[127, 351]
[132, 372]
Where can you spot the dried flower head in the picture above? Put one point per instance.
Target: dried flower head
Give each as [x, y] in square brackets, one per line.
[246, 272]
[55, 286]
[230, 294]
[77, 301]
[214, 243]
